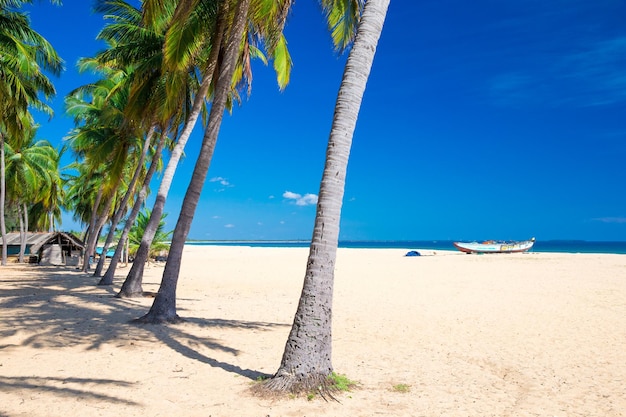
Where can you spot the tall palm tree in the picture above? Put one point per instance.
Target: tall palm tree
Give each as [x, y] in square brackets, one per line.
[104, 138]
[164, 307]
[306, 363]
[23, 55]
[158, 93]
[184, 38]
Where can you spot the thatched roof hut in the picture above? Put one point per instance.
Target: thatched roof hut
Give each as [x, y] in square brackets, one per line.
[54, 248]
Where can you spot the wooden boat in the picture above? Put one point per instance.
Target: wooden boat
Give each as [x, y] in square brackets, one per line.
[494, 246]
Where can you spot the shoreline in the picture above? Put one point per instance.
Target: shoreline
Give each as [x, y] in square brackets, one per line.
[549, 246]
[509, 334]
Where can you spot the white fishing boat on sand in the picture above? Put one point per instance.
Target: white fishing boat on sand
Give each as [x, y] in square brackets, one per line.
[492, 246]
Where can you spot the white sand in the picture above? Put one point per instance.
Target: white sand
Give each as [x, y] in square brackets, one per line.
[533, 334]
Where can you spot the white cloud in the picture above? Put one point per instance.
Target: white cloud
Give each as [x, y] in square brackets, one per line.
[229, 226]
[301, 200]
[611, 219]
[223, 181]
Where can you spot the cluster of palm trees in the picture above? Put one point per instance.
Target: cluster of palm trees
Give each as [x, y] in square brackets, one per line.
[29, 180]
[164, 64]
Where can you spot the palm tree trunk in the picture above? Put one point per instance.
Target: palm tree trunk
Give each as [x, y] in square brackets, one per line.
[93, 232]
[132, 286]
[3, 228]
[22, 214]
[107, 279]
[164, 307]
[122, 207]
[23, 249]
[306, 362]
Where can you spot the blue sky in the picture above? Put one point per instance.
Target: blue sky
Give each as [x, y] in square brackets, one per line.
[484, 119]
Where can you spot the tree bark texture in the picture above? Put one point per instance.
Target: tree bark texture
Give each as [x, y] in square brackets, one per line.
[3, 228]
[307, 361]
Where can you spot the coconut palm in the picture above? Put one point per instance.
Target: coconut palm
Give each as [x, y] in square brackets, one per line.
[105, 139]
[31, 171]
[164, 307]
[185, 37]
[23, 55]
[306, 363]
[157, 96]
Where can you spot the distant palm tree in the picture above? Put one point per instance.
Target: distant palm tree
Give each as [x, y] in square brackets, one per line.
[306, 363]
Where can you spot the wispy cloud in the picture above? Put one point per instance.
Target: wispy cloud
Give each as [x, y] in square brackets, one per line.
[620, 220]
[222, 181]
[229, 226]
[301, 200]
[591, 76]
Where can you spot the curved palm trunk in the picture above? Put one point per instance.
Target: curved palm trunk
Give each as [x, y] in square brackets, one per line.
[132, 286]
[164, 307]
[122, 208]
[93, 239]
[306, 362]
[107, 279]
[3, 228]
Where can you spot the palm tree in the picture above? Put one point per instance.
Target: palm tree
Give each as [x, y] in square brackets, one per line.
[105, 139]
[184, 38]
[165, 107]
[23, 55]
[164, 307]
[31, 170]
[306, 363]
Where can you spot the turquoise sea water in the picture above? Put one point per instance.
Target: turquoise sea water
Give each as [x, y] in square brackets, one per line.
[567, 246]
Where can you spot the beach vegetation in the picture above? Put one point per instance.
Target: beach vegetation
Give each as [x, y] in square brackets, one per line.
[402, 388]
[24, 56]
[160, 242]
[306, 363]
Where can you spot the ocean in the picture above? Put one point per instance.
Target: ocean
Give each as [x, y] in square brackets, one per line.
[565, 246]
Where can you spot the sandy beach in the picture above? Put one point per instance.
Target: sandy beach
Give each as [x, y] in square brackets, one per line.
[536, 334]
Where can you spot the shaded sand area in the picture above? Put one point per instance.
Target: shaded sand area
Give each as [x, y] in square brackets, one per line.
[534, 334]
